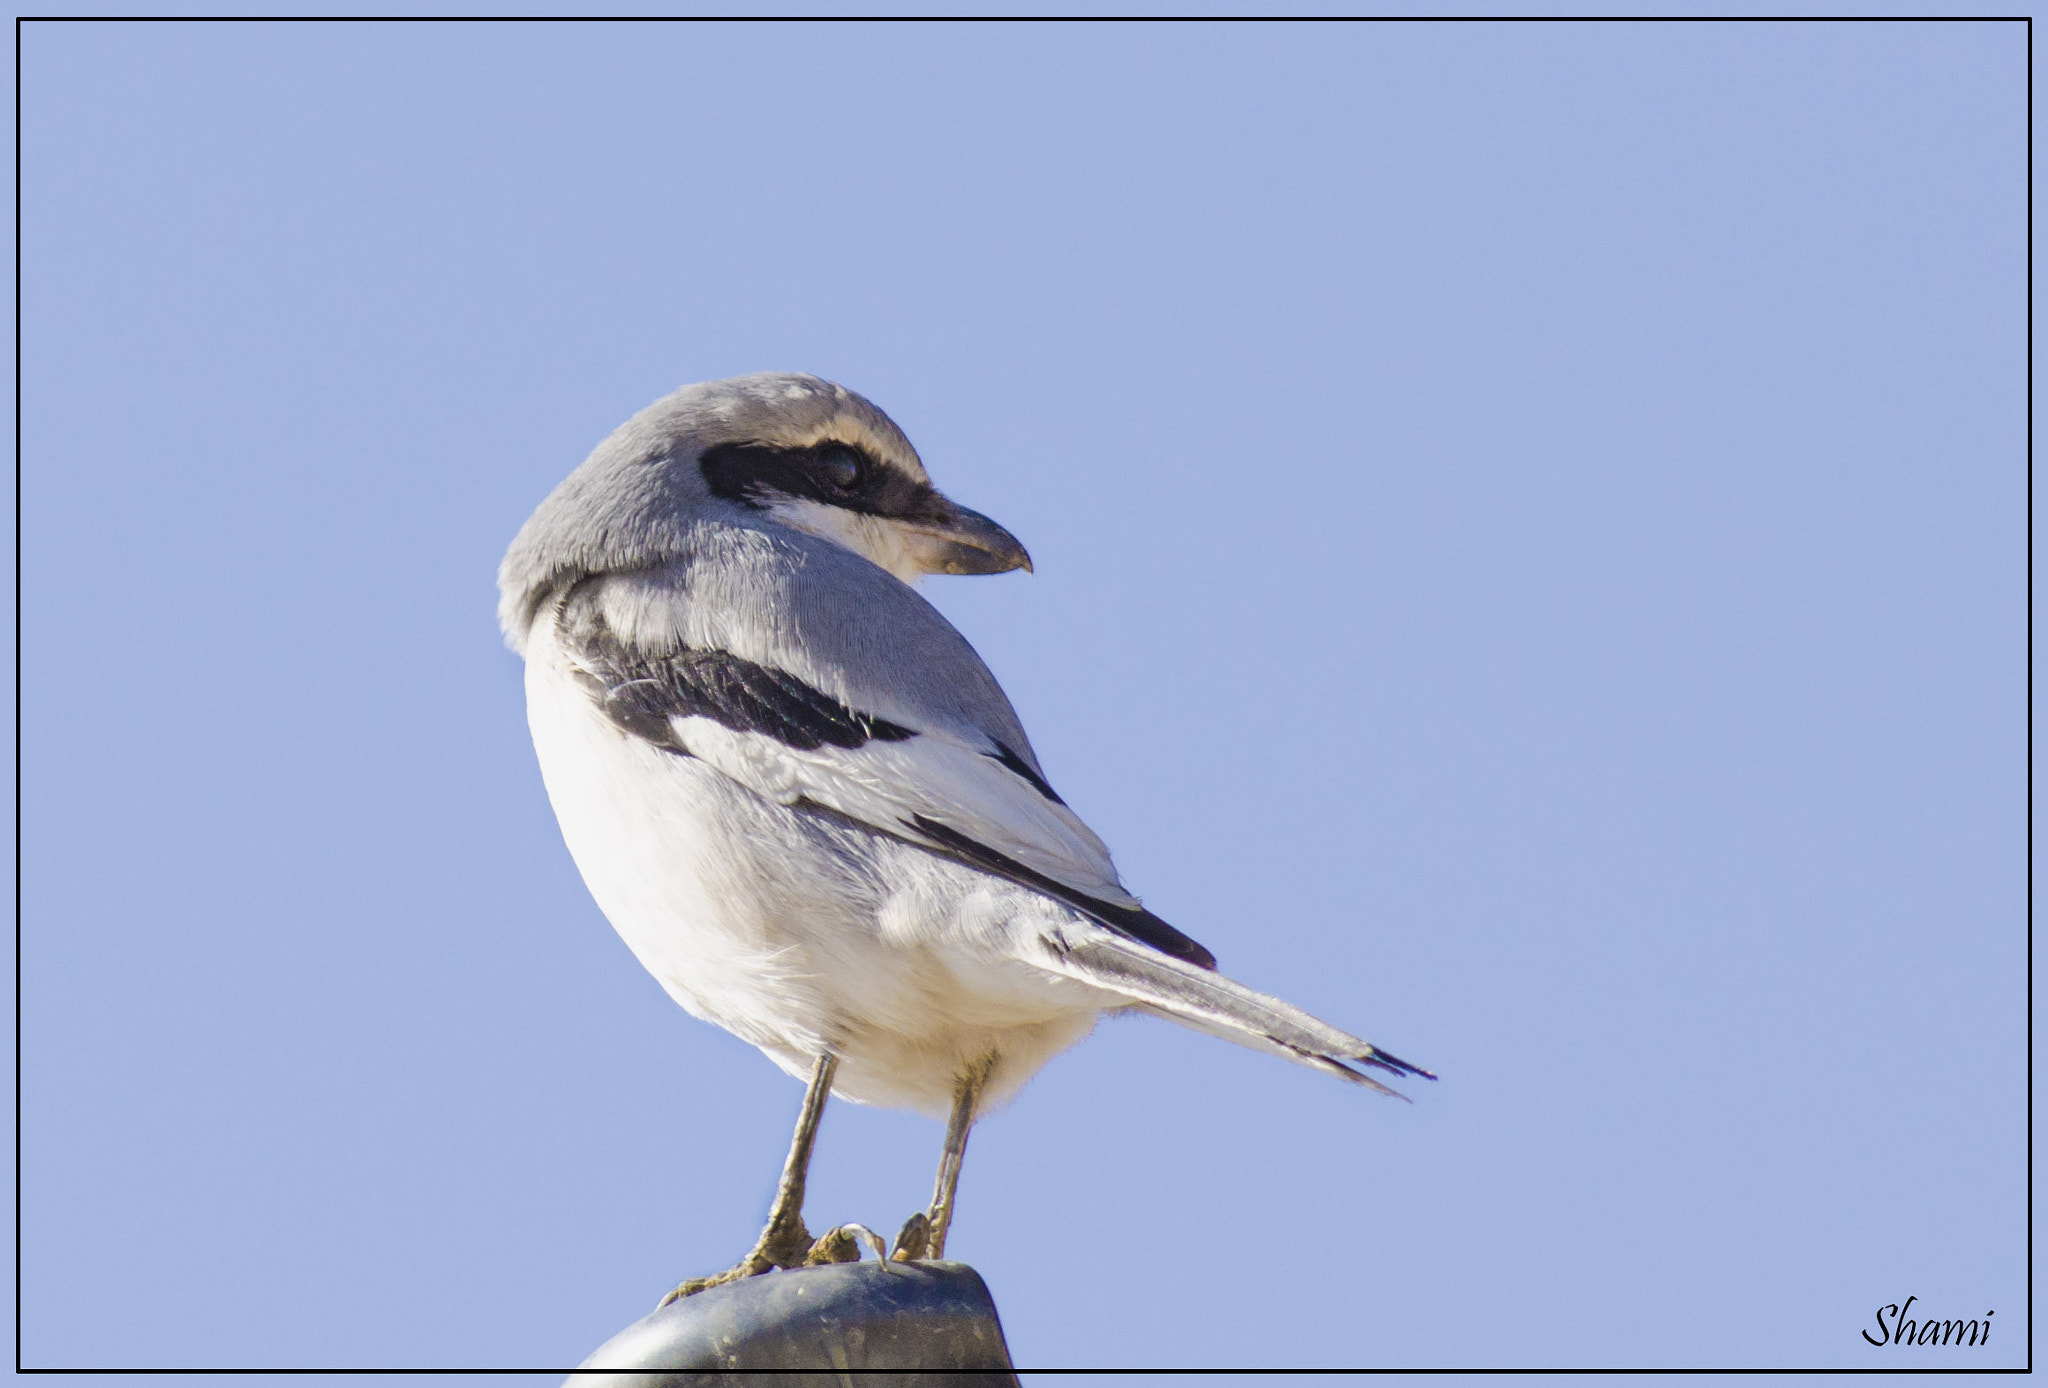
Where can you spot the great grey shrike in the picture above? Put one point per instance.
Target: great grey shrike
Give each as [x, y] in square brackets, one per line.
[803, 800]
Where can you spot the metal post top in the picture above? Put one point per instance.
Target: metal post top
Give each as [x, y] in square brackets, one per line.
[833, 1319]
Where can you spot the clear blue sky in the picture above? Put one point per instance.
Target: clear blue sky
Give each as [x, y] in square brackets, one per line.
[1530, 532]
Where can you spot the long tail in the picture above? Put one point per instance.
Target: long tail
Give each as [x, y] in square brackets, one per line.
[1207, 1001]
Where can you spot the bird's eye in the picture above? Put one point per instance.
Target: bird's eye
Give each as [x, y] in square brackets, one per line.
[841, 466]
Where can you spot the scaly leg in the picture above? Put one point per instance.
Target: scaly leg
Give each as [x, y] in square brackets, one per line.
[946, 1188]
[785, 1242]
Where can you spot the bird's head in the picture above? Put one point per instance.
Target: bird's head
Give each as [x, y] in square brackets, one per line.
[823, 460]
[779, 446]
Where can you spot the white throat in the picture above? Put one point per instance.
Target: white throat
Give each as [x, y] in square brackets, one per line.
[876, 539]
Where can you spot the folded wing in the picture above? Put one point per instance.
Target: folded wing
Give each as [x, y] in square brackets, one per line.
[959, 792]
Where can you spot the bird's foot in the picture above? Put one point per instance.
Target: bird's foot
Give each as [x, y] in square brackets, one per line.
[915, 1240]
[783, 1244]
[842, 1245]
[838, 1246]
[750, 1266]
[792, 1247]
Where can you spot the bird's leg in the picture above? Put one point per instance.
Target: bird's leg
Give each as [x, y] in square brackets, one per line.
[965, 1098]
[785, 1242]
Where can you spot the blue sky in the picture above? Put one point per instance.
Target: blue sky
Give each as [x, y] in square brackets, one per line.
[1530, 526]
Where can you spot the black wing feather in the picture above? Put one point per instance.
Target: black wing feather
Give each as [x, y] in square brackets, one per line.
[1133, 922]
[1022, 768]
[641, 692]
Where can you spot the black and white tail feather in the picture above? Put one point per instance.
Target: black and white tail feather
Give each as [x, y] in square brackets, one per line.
[1206, 1000]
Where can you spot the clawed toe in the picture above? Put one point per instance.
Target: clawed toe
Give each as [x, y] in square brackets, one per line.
[753, 1265]
[837, 1246]
[782, 1245]
[866, 1236]
[915, 1240]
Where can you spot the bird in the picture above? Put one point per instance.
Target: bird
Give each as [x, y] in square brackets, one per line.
[803, 800]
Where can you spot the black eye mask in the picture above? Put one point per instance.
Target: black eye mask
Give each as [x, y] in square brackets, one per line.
[829, 472]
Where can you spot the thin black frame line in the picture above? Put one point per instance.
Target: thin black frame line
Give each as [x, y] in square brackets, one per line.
[17, 696]
[1033, 19]
[1145, 1372]
[1139, 1372]
[2029, 472]
[21, 20]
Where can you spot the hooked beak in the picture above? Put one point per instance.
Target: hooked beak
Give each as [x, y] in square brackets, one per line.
[961, 541]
